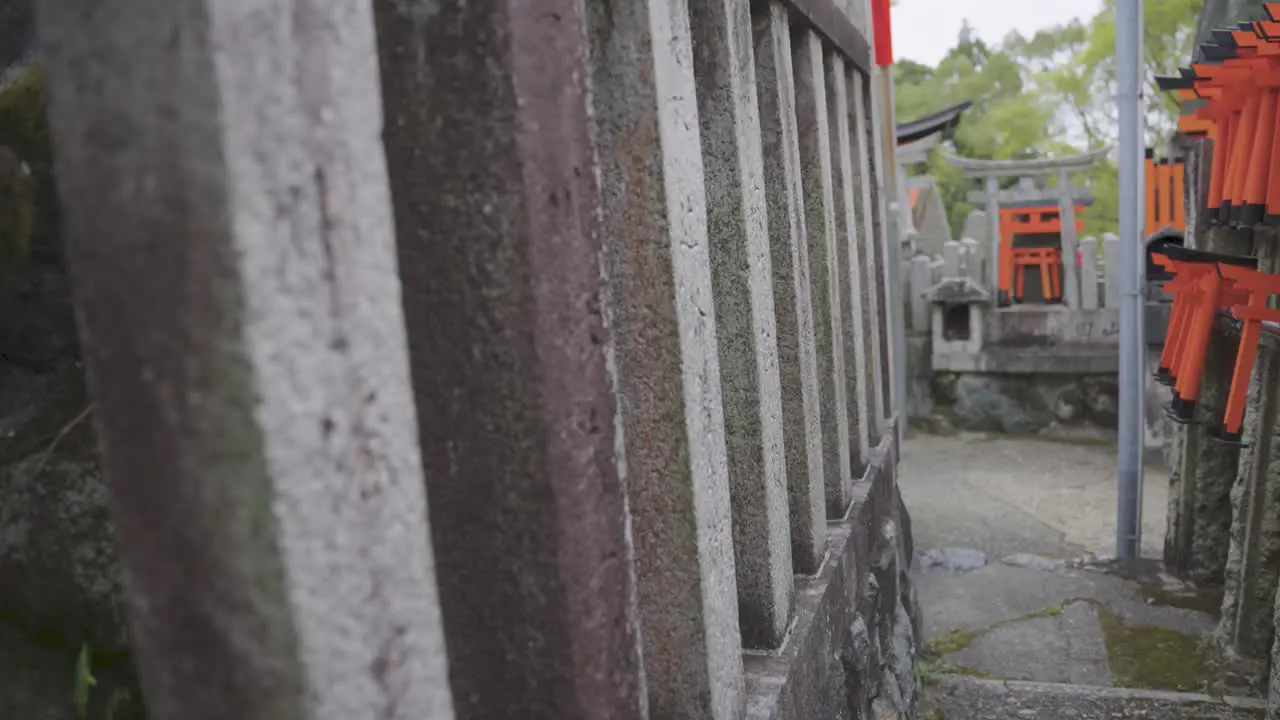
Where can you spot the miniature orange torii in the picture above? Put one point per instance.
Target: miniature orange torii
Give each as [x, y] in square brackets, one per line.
[1031, 220]
[1199, 290]
[1164, 184]
[1240, 85]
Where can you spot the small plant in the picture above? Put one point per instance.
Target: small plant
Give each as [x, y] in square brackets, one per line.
[84, 682]
[82, 688]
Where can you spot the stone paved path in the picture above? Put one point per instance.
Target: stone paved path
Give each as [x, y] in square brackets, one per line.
[999, 525]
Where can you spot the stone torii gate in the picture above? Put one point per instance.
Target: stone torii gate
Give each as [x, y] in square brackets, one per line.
[1065, 194]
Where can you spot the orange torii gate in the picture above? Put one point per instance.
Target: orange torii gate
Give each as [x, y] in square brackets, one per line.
[1054, 210]
[1025, 220]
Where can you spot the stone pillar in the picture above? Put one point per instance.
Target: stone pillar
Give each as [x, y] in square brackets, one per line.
[849, 254]
[872, 296]
[1253, 562]
[742, 277]
[886, 237]
[919, 342]
[662, 316]
[1089, 273]
[1200, 485]
[797, 354]
[820, 222]
[497, 211]
[951, 267]
[993, 229]
[1067, 218]
[971, 251]
[230, 241]
[1111, 270]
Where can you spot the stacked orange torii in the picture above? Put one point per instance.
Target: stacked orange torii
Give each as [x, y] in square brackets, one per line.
[1232, 96]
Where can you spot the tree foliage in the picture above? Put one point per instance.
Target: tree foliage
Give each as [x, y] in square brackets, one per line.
[1048, 94]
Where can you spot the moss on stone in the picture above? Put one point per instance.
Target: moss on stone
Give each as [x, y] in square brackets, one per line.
[951, 642]
[28, 196]
[1154, 658]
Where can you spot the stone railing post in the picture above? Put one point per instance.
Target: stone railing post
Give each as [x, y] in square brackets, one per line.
[1067, 219]
[662, 318]
[1089, 273]
[797, 350]
[920, 282]
[820, 222]
[849, 262]
[229, 235]
[1111, 276]
[872, 296]
[742, 277]
[497, 211]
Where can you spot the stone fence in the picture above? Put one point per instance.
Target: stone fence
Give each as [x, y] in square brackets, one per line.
[507, 359]
[1021, 368]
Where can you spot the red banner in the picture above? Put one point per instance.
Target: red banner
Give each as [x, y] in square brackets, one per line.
[883, 33]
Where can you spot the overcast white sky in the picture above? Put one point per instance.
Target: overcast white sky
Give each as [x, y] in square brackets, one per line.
[923, 30]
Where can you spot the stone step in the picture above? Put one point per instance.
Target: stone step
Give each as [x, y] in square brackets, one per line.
[958, 697]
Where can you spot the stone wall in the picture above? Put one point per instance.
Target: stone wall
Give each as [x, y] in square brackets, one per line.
[1022, 369]
[554, 379]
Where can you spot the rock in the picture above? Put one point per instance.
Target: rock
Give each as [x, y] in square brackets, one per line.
[57, 544]
[1035, 562]
[953, 559]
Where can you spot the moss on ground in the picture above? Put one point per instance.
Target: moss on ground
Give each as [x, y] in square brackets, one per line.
[1144, 656]
[1205, 600]
[932, 660]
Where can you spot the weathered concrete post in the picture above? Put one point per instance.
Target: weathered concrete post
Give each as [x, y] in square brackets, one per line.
[230, 240]
[820, 222]
[797, 352]
[1089, 273]
[662, 316]
[742, 277]
[849, 261]
[497, 211]
[1067, 219]
[872, 297]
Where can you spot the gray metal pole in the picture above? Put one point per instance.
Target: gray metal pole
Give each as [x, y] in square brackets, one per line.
[1132, 270]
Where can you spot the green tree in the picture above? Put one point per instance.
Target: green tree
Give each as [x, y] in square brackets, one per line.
[1048, 94]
